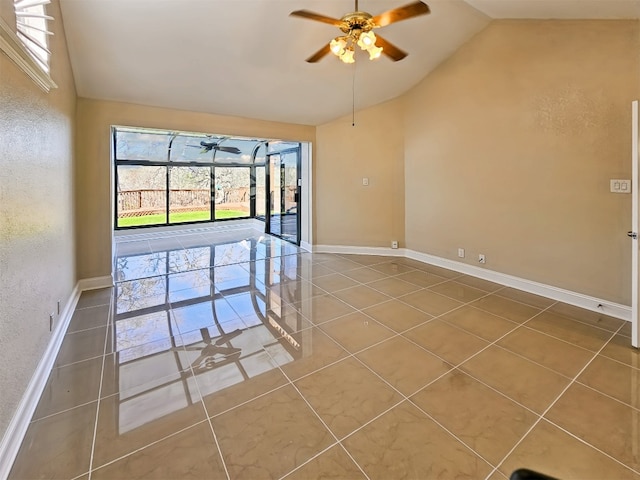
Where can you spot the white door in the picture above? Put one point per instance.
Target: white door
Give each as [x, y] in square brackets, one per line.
[635, 284]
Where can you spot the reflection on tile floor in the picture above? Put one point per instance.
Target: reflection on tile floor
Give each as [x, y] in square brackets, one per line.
[237, 355]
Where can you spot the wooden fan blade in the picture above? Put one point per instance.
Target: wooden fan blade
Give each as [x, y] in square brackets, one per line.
[319, 54]
[401, 13]
[317, 17]
[389, 49]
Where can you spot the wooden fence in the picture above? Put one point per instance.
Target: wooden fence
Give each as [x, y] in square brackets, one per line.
[137, 203]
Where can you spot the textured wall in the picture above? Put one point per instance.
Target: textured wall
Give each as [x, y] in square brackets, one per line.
[37, 247]
[347, 212]
[93, 173]
[510, 145]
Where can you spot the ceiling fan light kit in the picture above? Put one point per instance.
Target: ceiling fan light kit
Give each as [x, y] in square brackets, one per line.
[357, 28]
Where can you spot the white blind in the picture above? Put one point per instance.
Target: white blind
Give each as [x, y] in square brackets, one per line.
[32, 29]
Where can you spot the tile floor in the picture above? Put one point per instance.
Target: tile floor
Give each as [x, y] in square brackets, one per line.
[236, 355]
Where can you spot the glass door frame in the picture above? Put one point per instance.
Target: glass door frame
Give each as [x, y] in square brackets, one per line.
[268, 215]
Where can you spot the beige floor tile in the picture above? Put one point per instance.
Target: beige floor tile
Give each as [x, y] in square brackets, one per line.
[93, 298]
[340, 265]
[318, 270]
[393, 286]
[90, 317]
[317, 350]
[555, 354]
[347, 395]
[57, 447]
[479, 283]
[503, 307]
[270, 436]
[480, 323]
[70, 386]
[81, 346]
[440, 271]
[553, 452]
[526, 297]
[127, 424]
[334, 463]
[421, 278]
[405, 443]
[361, 296]
[430, 302]
[365, 275]
[626, 329]
[404, 365]
[450, 343]
[520, 379]
[228, 387]
[458, 291]
[620, 348]
[323, 308]
[392, 268]
[571, 331]
[497, 476]
[485, 420]
[397, 315]
[334, 282]
[133, 377]
[595, 319]
[356, 331]
[367, 259]
[605, 423]
[613, 378]
[152, 422]
[293, 292]
[193, 454]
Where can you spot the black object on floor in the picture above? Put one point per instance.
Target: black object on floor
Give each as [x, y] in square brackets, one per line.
[526, 474]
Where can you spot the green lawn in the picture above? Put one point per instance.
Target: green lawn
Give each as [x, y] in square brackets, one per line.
[178, 218]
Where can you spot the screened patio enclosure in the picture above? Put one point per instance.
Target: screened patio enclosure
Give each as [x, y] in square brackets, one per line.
[167, 178]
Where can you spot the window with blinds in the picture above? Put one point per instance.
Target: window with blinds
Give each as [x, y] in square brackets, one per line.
[32, 29]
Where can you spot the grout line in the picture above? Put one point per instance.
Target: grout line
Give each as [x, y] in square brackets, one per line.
[104, 356]
[206, 412]
[150, 444]
[541, 417]
[317, 415]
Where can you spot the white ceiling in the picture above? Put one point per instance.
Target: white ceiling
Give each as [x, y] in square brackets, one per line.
[246, 57]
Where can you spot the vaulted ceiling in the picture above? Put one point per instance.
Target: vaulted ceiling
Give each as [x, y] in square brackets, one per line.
[246, 57]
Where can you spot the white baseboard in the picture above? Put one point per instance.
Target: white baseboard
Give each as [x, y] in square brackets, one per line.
[17, 428]
[587, 302]
[95, 282]
[346, 249]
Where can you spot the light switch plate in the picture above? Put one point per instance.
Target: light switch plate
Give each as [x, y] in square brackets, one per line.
[620, 186]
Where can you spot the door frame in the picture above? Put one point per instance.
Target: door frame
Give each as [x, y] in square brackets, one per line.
[298, 152]
[635, 270]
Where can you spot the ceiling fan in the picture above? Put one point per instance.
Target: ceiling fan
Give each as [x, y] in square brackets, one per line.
[208, 145]
[358, 27]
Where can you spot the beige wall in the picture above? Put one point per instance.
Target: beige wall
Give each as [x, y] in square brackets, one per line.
[37, 247]
[346, 211]
[94, 224]
[510, 145]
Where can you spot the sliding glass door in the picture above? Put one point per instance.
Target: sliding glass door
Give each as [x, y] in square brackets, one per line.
[284, 194]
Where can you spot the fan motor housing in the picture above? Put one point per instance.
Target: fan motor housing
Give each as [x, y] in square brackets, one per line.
[357, 21]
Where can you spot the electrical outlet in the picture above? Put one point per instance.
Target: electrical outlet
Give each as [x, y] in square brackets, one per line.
[461, 252]
[394, 244]
[481, 258]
